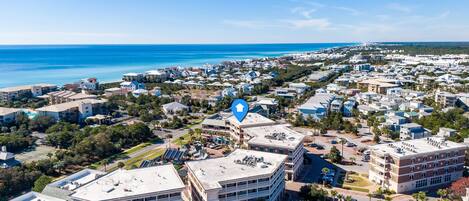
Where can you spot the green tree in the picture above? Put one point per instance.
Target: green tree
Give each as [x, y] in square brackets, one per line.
[335, 155]
[420, 196]
[41, 183]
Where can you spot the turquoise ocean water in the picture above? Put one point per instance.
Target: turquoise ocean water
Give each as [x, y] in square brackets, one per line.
[60, 64]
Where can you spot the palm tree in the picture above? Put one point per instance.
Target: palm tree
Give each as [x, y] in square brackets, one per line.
[324, 171]
[105, 162]
[342, 142]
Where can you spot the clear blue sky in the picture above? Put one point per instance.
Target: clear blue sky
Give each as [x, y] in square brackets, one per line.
[231, 21]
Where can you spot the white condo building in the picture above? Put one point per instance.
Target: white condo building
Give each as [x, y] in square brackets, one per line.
[251, 120]
[279, 139]
[159, 183]
[242, 175]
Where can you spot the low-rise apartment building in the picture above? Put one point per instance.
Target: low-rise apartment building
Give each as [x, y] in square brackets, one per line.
[217, 124]
[242, 175]
[251, 120]
[281, 140]
[317, 106]
[415, 165]
[74, 111]
[10, 93]
[57, 97]
[377, 85]
[158, 183]
[411, 131]
[8, 115]
[446, 99]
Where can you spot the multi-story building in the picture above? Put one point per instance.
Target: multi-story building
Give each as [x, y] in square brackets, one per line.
[57, 97]
[380, 86]
[281, 140]
[251, 120]
[133, 77]
[415, 165]
[217, 124]
[74, 111]
[10, 93]
[317, 106]
[242, 175]
[336, 106]
[156, 76]
[411, 131]
[446, 99]
[156, 183]
[8, 115]
[64, 187]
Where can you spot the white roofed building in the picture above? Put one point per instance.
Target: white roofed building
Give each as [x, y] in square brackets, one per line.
[279, 139]
[242, 175]
[152, 183]
[251, 120]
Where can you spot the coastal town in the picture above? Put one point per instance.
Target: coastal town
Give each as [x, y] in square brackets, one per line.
[360, 122]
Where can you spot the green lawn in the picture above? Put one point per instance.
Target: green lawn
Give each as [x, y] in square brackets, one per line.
[121, 155]
[358, 184]
[136, 161]
[182, 140]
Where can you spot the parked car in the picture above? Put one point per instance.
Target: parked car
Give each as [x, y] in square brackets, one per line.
[350, 144]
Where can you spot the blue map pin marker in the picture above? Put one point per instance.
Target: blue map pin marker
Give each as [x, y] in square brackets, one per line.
[239, 108]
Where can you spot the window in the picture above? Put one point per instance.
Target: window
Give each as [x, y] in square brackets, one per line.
[447, 178]
[242, 183]
[221, 196]
[264, 179]
[230, 195]
[231, 185]
[435, 180]
[421, 183]
[264, 189]
[252, 190]
[252, 181]
[175, 194]
[163, 196]
[242, 192]
[150, 199]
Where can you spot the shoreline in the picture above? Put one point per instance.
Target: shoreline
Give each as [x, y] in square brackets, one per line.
[112, 72]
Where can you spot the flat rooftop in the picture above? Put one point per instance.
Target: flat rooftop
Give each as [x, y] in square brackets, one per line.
[251, 119]
[7, 110]
[318, 100]
[77, 179]
[24, 87]
[211, 172]
[276, 136]
[69, 105]
[35, 196]
[417, 146]
[126, 183]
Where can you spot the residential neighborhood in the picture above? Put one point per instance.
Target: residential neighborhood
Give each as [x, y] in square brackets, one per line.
[359, 122]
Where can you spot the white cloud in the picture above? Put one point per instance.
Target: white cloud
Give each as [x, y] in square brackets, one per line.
[306, 13]
[352, 11]
[320, 23]
[399, 7]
